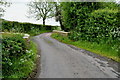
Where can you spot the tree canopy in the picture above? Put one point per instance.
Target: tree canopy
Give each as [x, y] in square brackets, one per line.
[41, 10]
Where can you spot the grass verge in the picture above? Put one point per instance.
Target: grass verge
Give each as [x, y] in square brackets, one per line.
[101, 49]
[37, 32]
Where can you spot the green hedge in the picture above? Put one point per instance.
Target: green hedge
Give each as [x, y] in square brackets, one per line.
[74, 14]
[18, 56]
[101, 27]
[101, 24]
[91, 21]
[24, 27]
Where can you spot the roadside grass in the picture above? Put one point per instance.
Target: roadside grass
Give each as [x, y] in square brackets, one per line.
[17, 64]
[101, 49]
[33, 32]
[37, 32]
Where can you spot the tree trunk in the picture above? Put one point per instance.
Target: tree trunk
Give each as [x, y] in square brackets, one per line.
[62, 27]
[43, 22]
[43, 27]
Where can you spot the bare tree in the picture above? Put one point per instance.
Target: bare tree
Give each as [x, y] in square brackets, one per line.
[3, 4]
[41, 9]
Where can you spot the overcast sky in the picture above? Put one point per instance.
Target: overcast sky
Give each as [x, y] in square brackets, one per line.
[18, 12]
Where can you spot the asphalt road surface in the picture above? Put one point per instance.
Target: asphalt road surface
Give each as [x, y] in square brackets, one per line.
[58, 60]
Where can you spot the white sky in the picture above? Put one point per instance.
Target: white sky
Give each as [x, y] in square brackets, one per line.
[18, 12]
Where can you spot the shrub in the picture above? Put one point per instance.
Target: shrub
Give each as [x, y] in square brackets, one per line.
[101, 27]
[13, 47]
[12, 26]
[74, 14]
[96, 21]
[16, 56]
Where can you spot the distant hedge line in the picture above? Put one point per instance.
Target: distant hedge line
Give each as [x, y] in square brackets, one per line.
[23, 27]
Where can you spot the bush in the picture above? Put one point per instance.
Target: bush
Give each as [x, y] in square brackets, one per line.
[101, 25]
[12, 26]
[95, 22]
[74, 14]
[17, 56]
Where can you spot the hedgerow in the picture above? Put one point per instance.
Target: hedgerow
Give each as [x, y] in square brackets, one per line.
[96, 21]
[100, 27]
[93, 22]
[101, 24]
[12, 26]
[18, 56]
[74, 14]
[90, 21]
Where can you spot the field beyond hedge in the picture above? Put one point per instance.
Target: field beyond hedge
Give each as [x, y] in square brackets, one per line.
[18, 56]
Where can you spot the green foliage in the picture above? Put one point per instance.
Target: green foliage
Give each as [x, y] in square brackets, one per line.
[101, 24]
[35, 32]
[109, 5]
[90, 21]
[18, 57]
[75, 13]
[12, 26]
[12, 45]
[93, 22]
[101, 49]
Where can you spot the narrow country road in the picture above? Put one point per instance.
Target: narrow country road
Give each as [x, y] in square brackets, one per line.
[59, 60]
